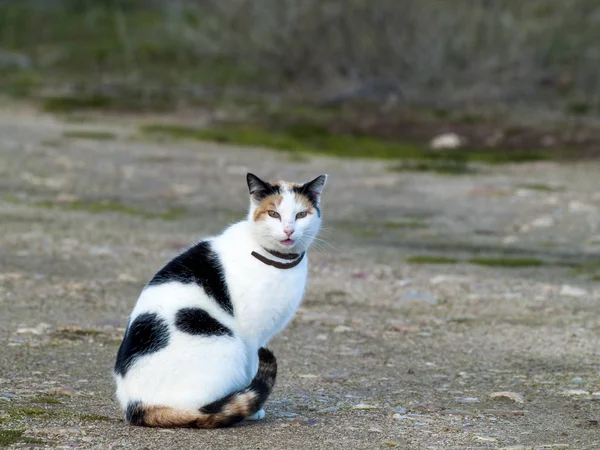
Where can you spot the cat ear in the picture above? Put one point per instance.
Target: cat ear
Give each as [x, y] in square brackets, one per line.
[314, 188]
[258, 188]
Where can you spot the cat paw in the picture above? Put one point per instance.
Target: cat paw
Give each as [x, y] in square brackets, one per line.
[258, 415]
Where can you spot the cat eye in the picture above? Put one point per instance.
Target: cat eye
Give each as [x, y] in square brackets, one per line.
[274, 214]
[301, 215]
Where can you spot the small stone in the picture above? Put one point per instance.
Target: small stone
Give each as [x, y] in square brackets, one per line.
[126, 278]
[364, 406]
[39, 329]
[572, 291]
[310, 422]
[8, 395]
[515, 397]
[341, 329]
[456, 412]
[62, 390]
[575, 392]
[446, 141]
[542, 222]
[404, 283]
[486, 439]
[467, 400]
[331, 409]
[510, 240]
[428, 407]
[58, 430]
[503, 412]
[397, 416]
[411, 296]
[577, 380]
[375, 430]
[400, 410]
[308, 375]
[596, 395]
[580, 207]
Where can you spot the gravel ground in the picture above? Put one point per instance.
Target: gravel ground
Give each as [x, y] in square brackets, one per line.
[383, 353]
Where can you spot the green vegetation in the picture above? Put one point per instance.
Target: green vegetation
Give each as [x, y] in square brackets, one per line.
[9, 437]
[94, 417]
[47, 400]
[507, 262]
[103, 206]
[90, 134]
[541, 187]
[407, 224]
[457, 166]
[317, 139]
[25, 412]
[426, 259]
[76, 334]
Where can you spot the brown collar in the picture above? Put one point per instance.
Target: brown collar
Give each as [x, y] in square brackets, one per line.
[277, 264]
[282, 255]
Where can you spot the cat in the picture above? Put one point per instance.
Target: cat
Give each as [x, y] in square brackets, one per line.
[194, 354]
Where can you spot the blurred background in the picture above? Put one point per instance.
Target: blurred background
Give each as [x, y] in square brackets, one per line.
[391, 70]
[454, 287]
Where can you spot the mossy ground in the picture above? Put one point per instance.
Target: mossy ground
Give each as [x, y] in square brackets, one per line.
[10, 437]
[307, 137]
[90, 134]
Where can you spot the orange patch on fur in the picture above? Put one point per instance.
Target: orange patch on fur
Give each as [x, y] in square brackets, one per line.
[269, 203]
[305, 202]
[162, 416]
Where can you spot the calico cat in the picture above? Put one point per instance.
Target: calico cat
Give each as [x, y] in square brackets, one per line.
[193, 352]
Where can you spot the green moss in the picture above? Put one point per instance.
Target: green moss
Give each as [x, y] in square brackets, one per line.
[90, 134]
[426, 259]
[9, 437]
[104, 206]
[365, 232]
[457, 166]
[25, 412]
[541, 187]
[52, 143]
[409, 224]
[76, 334]
[70, 103]
[47, 400]
[507, 262]
[94, 417]
[579, 108]
[316, 138]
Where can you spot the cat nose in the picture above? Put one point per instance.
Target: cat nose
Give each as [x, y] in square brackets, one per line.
[289, 231]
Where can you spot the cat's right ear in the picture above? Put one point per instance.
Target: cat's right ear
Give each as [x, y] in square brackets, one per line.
[258, 188]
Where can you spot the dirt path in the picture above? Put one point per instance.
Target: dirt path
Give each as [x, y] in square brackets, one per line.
[384, 353]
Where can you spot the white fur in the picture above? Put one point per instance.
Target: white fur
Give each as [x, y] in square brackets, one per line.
[192, 371]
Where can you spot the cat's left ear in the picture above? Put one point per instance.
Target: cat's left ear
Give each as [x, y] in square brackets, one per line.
[314, 188]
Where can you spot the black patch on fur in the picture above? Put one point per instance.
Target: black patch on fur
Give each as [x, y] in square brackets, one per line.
[260, 189]
[200, 265]
[305, 190]
[231, 420]
[217, 406]
[198, 322]
[135, 413]
[147, 334]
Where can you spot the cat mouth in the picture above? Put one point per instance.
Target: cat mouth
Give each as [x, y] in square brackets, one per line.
[287, 242]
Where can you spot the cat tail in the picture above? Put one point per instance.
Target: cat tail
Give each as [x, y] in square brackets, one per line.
[227, 411]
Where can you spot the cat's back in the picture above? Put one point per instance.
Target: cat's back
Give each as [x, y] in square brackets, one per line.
[194, 278]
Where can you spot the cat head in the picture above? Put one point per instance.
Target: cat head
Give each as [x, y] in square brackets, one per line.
[285, 217]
